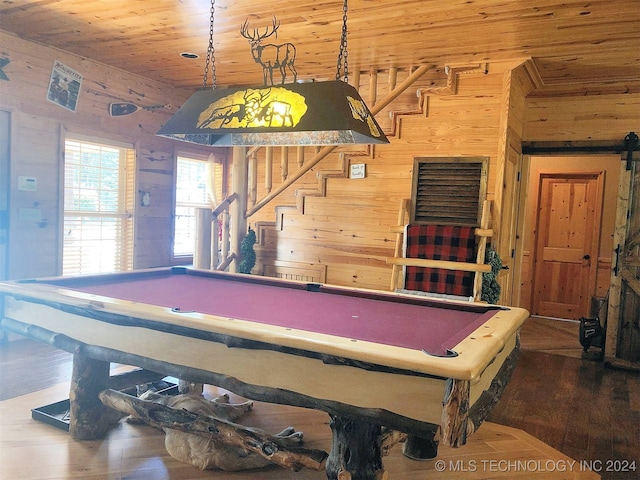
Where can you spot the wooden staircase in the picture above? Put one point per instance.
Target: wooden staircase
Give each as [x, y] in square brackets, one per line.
[391, 97]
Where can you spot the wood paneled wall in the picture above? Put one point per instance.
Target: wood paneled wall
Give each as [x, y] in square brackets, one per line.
[597, 117]
[38, 127]
[339, 223]
[347, 231]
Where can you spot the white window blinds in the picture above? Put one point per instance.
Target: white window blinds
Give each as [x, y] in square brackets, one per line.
[198, 185]
[98, 206]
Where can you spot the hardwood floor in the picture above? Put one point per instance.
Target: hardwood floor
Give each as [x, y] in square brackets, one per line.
[579, 408]
[575, 406]
[29, 366]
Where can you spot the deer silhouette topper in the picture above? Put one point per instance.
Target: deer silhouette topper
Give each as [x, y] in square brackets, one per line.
[271, 56]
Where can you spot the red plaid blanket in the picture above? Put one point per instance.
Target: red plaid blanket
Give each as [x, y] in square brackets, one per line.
[440, 242]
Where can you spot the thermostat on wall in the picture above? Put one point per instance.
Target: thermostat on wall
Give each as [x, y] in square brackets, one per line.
[27, 184]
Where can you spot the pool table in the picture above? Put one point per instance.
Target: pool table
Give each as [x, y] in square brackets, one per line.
[372, 360]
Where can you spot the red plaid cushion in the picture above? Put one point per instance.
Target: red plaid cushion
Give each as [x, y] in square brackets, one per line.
[440, 242]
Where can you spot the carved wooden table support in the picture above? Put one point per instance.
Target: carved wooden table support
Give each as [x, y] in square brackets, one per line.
[422, 448]
[356, 453]
[459, 419]
[89, 418]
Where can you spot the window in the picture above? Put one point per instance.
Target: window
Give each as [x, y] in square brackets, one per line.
[449, 191]
[98, 207]
[198, 185]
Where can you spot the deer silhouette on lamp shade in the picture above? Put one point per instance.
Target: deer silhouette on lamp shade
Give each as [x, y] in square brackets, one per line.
[270, 56]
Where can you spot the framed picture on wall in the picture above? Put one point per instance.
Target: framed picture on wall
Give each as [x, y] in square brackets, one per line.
[64, 86]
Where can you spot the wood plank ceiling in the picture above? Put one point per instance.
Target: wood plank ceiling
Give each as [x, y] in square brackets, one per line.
[579, 47]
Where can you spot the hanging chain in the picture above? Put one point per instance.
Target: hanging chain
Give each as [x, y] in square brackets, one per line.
[343, 64]
[211, 58]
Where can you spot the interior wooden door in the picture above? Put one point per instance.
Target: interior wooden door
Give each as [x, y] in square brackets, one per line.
[623, 317]
[567, 242]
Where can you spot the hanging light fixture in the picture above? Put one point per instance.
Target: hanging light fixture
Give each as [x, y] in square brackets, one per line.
[314, 113]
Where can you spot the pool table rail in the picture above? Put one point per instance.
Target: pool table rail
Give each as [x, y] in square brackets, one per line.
[357, 382]
[473, 353]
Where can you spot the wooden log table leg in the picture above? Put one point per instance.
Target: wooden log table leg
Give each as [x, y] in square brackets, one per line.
[356, 452]
[89, 418]
[459, 419]
[424, 447]
[455, 412]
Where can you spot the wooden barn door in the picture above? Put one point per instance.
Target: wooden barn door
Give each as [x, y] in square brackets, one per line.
[623, 318]
[567, 242]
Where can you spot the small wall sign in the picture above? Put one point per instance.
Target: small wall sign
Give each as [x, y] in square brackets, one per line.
[357, 170]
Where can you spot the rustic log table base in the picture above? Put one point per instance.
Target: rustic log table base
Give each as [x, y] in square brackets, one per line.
[356, 452]
[89, 418]
[422, 448]
[250, 440]
[381, 382]
[351, 457]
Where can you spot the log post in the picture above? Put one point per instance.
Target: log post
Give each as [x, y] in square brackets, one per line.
[226, 238]
[455, 412]
[373, 87]
[403, 218]
[355, 79]
[203, 238]
[483, 233]
[393, 78]
[268, 172]
[238, 209]
[356, 453]
[89, 418]
[284, 162]
[215, 241]
[253, 178]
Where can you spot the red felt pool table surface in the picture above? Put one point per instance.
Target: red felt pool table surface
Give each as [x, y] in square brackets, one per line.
[431, 326]
[357, 352]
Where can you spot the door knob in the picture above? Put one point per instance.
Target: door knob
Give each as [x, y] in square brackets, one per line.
[587, 257]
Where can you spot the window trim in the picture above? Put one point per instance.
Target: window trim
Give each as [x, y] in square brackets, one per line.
[127, 194]
[216, 157]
